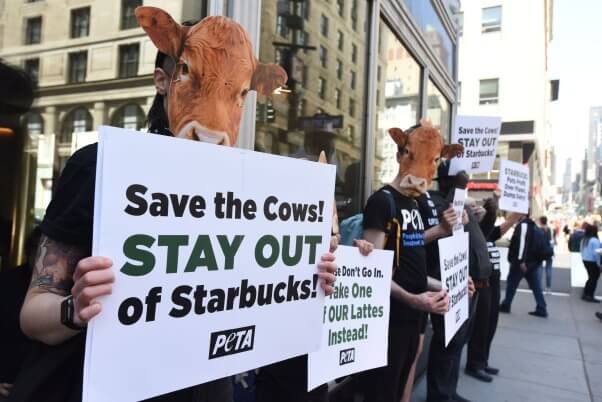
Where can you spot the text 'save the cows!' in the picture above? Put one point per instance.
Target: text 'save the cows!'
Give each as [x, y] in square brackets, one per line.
[215, 253]
[479, 136]
[453, 260]
[356, 317]
[514, 184]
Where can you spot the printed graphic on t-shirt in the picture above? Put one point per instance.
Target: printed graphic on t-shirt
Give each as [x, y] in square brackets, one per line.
[412, 228]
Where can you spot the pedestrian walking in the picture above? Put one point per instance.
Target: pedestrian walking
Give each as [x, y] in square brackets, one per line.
[590, 254]
[549, 237]
[528, 249]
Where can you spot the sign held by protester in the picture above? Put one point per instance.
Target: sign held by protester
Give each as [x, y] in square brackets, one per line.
[459, 200]
[453, 257]
[514, 185]
[356, 317]
[215, 254]
[479, 136]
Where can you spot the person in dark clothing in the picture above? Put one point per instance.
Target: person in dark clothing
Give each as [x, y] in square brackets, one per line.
[487, 309]
[576, 237]
[443, 363]
[549, 237]
[65, 274]
[590, 254]
[14, 345]
[525, 257]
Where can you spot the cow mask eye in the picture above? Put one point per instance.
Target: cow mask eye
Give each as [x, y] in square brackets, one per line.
[181, 71]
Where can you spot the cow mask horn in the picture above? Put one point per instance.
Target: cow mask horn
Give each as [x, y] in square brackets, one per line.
[215, 68]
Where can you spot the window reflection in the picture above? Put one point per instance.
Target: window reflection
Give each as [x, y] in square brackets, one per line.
[324, 109]
[398, 80]
[438, 110]
[436, 35]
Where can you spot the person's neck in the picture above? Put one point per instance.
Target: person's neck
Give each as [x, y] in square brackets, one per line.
[396, 183]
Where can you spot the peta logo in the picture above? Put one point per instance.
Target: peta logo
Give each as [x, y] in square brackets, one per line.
[346, 356]
[231, 341]
[411, 218]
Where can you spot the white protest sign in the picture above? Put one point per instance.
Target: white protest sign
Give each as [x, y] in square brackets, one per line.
[479, 136]
[459, 199]
[215, 254]
[453, 259]
[514, 186]
[356, 317]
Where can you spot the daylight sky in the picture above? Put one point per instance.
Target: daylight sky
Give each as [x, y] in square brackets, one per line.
[575, 59]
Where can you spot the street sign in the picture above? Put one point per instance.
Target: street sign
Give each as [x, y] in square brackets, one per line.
[321, 121]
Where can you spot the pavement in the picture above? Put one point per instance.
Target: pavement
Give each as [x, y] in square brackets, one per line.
[554, 359]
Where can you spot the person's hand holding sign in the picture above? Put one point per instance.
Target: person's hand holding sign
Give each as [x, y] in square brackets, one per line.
[449, 219]
[432, 302]
[92, 278]
[327, 268]
[471, 288]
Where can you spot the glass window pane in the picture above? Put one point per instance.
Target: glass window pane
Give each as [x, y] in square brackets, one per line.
[488, 91]
[426, 17]
[399, 81]
[492, 19]
[438, 110]
[322, 111]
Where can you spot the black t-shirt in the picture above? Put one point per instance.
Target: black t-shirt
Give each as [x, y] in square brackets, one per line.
[405, 236]
[54, 373]
[431, 207]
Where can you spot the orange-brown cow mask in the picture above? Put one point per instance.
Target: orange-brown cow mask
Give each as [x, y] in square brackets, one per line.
[421, 150]
[215, 68]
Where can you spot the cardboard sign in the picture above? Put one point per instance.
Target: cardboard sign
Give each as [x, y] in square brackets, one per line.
[479, 136]
[514, 185]
[453, 257]
[459, 199]
[215, 254]
[356, 317]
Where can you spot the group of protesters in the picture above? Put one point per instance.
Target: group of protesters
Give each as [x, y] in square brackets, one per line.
[66, 281]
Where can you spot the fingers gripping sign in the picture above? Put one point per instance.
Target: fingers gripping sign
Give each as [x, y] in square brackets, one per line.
[92, 279]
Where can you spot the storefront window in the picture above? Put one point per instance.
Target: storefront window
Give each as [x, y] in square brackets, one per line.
[436, 35]
[399, 82]
[326, 113]
[438, 110]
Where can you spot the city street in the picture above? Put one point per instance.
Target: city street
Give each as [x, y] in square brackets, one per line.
[554, 359]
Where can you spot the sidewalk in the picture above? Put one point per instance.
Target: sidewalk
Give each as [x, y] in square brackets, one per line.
[554, 359]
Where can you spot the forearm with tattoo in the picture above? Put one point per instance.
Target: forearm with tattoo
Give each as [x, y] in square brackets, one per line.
[54, 266]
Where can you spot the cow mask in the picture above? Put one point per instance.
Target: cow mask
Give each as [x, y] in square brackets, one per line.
[420, 151]
[215, 69]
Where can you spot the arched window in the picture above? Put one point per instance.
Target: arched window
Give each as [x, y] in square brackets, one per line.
[76, 121]
[129, 116]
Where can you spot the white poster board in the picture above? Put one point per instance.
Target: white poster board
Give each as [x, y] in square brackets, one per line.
[453, 257]
[479, 136]
[356, 317]
[514, 186]
[215, 254]
[458, 203]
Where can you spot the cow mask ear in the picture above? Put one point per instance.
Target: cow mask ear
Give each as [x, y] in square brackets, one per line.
[268, 77]
[167, 35]
[398, 136]
[451, 150]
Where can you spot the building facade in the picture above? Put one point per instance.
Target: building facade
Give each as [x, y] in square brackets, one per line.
[503, 71]
[356, 68]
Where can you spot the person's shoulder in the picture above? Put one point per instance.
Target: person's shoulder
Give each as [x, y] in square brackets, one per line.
[85, 156]
[382, 194]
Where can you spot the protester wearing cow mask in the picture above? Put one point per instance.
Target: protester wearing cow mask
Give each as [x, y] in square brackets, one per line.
[392, 221]
[66, 280]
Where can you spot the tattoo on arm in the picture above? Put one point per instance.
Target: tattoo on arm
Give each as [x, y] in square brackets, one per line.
[54, 266]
